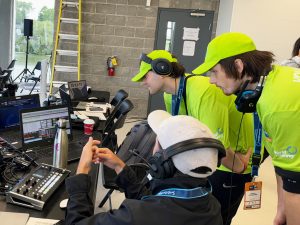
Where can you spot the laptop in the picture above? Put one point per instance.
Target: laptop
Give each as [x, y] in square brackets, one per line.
[10, 107]
[66, 99]
[38, 129]
[78, 90]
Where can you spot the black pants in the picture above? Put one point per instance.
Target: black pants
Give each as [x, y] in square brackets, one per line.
[229, 193]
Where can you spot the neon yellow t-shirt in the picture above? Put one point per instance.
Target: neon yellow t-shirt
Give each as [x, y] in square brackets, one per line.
[279, 111]
[208, 104]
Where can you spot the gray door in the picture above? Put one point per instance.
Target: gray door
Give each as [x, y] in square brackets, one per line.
[186, 34]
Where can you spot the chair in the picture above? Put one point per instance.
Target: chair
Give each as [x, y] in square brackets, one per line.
[115, 102]
[119, 97]
[5, 78]
[10, 67]
[116, 121]
[34, 76]
[109, 140]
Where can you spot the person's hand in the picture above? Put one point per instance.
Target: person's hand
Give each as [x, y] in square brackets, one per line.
[86, 158]
[108, 158]
[244, 158]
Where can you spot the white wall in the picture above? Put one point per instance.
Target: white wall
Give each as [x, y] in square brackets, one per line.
[6, 28]
[274, 25]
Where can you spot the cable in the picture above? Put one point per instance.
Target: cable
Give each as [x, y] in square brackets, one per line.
[141, 157]
[231, 175]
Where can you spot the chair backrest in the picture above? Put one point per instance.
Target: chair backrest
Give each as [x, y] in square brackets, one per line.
[117, 120]
[38, 66]
[11, 65]
[117, 100]
[5, 78]
[119, 97]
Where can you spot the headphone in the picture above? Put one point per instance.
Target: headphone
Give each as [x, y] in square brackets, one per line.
[246, 100]
[161, 164]
[160, 66]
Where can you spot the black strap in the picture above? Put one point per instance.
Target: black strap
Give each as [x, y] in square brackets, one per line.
[184, 93]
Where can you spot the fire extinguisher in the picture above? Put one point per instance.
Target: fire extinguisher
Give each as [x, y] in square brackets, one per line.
[111, 64]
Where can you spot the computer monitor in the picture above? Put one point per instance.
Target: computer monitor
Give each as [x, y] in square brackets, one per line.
[38, 126]
[78, 90]
[10, 107]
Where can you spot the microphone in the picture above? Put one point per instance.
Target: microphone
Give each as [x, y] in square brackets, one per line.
[132, 151]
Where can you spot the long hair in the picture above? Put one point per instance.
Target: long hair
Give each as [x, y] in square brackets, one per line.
[178, 69]
[256, 63]
[296, 48]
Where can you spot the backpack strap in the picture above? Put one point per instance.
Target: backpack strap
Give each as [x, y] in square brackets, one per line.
[184, 93]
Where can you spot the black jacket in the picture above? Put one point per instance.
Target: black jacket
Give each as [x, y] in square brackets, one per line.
[153, 210]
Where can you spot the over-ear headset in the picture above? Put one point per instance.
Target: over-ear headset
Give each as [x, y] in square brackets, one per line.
[161, 164]
[246, 100]
[160, 66]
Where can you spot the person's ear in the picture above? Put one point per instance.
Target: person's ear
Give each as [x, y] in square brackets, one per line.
[239, 65]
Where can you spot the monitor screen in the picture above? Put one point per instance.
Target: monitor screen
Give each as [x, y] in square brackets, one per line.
[38, 126]
[78, 90]
[10, 109]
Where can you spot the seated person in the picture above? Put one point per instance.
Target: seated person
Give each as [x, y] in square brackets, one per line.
[295, 60]
[185, 153]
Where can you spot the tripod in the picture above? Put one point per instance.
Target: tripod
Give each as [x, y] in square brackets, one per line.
[26, 70]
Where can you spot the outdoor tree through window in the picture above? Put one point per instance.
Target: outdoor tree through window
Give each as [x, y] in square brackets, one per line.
[41, 43]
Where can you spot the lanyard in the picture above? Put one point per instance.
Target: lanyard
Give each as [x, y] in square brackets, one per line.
[183, 193]
[256, 157]
[176, 99]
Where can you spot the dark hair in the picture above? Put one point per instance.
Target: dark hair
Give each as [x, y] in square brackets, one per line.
[296, 48]
[178, 70]
[256, 63]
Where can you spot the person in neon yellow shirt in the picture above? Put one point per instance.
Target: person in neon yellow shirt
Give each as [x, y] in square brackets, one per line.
[160, 71]
[237, 66]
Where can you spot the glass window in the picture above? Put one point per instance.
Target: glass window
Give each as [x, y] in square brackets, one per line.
[170, 36]
[40, 45]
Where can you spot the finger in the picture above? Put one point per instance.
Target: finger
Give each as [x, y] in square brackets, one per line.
[96, 142]
[103, 156]
[104, 150]
[89, 142]
[94, 148]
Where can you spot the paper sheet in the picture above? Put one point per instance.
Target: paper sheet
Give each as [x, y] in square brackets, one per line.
[84, 114]
[40, 221]
[188, 48]
[11, 218]
[191, 33]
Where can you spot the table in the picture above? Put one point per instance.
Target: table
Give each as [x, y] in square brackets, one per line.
[52, 209]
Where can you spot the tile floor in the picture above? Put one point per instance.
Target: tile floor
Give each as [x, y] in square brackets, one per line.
[262, 216]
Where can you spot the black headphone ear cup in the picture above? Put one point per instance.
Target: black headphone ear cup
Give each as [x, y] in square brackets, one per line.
[162, 66]
[169, 168]
[155, 162]
[161, 168]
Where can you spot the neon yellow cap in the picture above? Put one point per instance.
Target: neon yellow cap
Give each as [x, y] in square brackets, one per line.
[145, 67]
[224, 46]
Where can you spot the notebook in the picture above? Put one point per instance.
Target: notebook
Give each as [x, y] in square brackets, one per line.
[10, 107]
[38, 129]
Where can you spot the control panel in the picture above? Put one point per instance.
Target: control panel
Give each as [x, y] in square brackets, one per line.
[35, 189]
